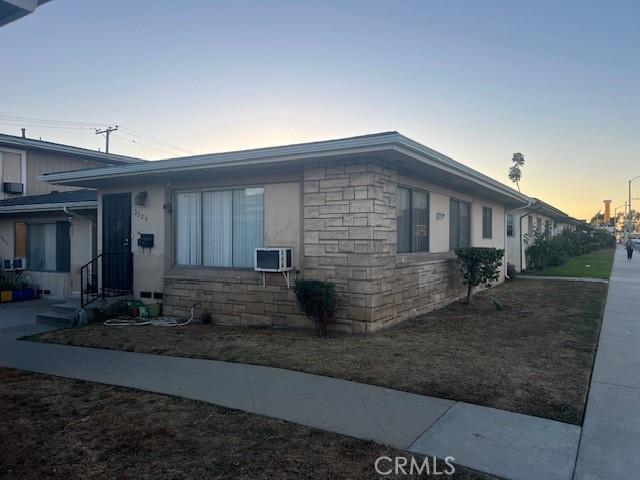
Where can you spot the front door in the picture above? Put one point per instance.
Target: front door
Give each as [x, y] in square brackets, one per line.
[117, 262]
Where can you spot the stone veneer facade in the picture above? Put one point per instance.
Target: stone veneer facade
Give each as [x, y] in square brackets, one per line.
[349, 239]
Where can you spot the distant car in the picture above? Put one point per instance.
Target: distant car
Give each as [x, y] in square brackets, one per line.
[636, 243]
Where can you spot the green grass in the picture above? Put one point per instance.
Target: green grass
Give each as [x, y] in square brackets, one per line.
[594, 265]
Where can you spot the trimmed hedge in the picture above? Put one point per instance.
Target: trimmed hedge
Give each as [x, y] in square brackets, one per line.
[548, 251]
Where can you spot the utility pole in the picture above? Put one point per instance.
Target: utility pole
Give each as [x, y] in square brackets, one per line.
[107, 131]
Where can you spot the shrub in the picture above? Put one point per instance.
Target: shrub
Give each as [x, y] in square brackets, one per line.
[318, 301]
[511, 271]
[551, 251]
[479, 266]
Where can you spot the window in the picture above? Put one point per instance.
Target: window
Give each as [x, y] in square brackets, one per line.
[509, 225]
[547, 227]
[530, 225]
[487, 222]
[20, 240]
[539, 224]
[413, 221]
[219, 228]
[48, 247]
[459, 224]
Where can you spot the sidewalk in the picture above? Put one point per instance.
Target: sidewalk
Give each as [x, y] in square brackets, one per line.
[610, 443]
[505, 444]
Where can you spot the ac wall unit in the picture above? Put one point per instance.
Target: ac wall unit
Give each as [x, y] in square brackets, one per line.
[12, 187]
[273, 259]
[12, 264]
[19, 263]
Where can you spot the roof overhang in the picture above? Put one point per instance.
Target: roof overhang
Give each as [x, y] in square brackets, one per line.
[48, 207]
[11, 10]
[85, 153]
[391, 147]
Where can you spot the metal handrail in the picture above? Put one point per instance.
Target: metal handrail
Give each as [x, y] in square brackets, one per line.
[113, 282]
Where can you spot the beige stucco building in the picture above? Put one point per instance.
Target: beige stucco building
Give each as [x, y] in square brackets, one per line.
[378, 215]
[536, 218]
[52, 228]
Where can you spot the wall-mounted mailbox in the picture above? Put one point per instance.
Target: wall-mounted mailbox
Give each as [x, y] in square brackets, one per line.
[145, 240]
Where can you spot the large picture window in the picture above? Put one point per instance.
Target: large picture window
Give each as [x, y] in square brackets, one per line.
[459, 224]
[413, 221]
[48, 247]
[219, 228]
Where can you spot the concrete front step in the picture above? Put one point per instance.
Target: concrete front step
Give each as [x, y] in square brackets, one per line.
[65, 308]
[56, 319]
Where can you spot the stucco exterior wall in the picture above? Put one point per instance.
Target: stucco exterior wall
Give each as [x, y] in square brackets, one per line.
[60, 285]
[340, 216]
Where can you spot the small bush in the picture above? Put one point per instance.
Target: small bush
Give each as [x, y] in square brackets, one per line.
[479, 266]
[318, 301]
[552, 251]
[511, 271]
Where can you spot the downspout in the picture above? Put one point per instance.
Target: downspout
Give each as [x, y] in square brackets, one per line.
[506, 237]
[520, 224]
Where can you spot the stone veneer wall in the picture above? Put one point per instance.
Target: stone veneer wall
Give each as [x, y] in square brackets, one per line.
[235, 298]
[426, 284]
[350, 239]
[349, 231]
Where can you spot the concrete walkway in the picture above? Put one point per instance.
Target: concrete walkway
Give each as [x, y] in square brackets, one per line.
[610, 443]
[501, 443]
[567, 279]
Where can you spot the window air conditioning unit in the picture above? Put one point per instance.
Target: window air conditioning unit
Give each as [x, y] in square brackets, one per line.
[12, 264]
[273, 259]
[12, 187]
[19, 263]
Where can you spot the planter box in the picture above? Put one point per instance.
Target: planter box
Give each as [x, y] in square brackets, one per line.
[24, 294]
[17, 295]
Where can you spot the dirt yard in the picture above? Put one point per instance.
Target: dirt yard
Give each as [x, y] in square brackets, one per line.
[534, 357]
[59, 428]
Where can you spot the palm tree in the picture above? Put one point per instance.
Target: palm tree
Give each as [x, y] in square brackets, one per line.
[515, 172]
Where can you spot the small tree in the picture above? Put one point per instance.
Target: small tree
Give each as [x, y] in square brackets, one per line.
[318, 301]
[479, 266]
[515, 172]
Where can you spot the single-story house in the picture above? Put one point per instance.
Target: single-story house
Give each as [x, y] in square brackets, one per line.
[536, 218]
[377, 215]
[50, 229]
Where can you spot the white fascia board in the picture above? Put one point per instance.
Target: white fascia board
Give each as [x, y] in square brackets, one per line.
[47, 207]
[389, 141]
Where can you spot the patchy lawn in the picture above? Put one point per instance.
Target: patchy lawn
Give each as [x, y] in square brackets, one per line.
[60, 428]
[533, 357]
[596, 264]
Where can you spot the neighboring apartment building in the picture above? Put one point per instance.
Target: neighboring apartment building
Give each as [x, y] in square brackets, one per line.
[52, 228]
[377, 215]
[537, 218]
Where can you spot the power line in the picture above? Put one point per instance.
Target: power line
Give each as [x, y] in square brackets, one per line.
[107, 131]
[155, 140]
[15, 120]
[142, 144]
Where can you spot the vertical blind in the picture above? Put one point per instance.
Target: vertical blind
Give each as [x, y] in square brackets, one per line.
[219, 228]
[412, 221]
[459, 224]
[48, 247]
[487, 222]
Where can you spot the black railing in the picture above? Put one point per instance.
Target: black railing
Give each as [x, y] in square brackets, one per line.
[115, 270]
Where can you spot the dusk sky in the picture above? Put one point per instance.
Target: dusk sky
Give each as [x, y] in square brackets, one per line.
[558, 81]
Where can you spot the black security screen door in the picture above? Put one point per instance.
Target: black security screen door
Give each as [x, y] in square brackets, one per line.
[117, 262]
